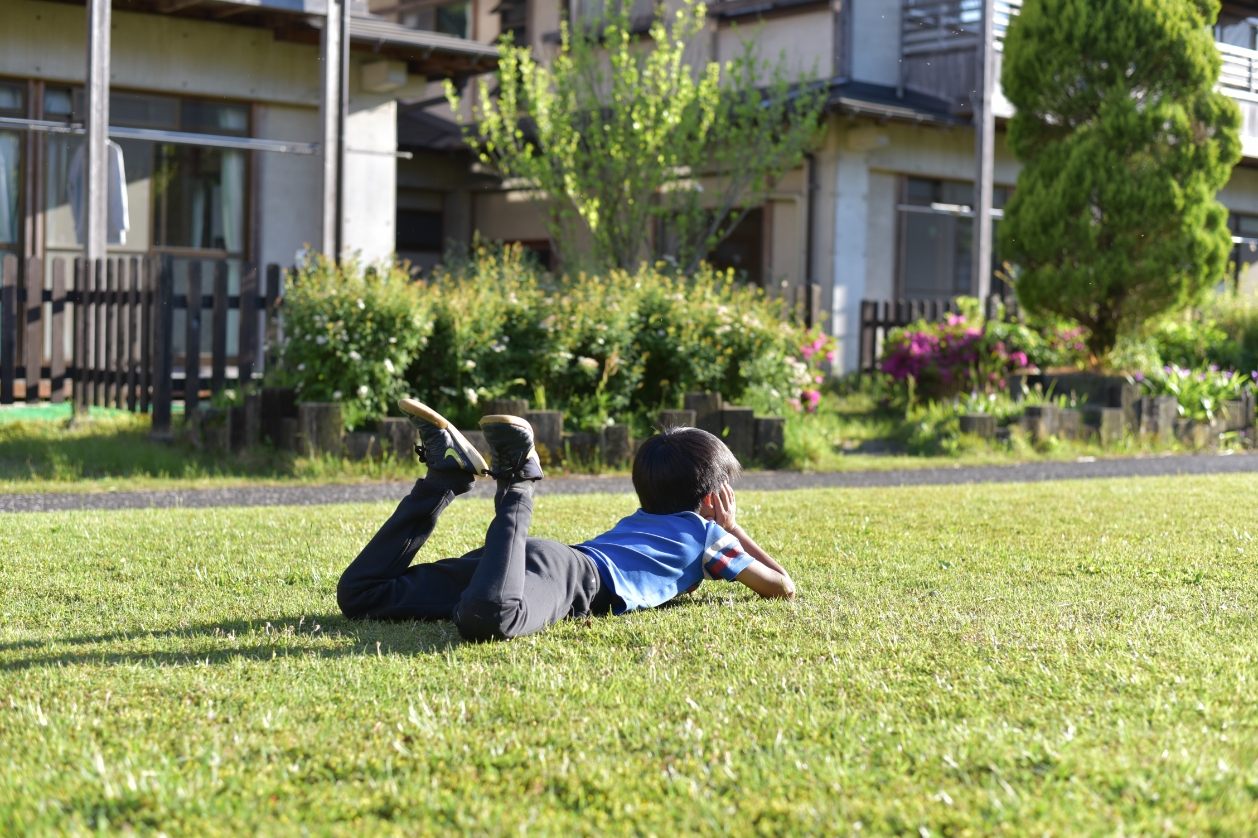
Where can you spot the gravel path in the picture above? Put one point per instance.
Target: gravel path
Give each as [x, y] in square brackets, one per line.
[770, 481]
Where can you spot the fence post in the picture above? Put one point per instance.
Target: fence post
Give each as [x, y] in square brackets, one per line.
[246, 348]
[192, 344]
[134, 316]
[218, 345]
[8, 326]
[79, 335]
[147, 316]
[869, 326]
[57, 359]
[163, 347]
[272, 308]
[34, 352]
[119, 366]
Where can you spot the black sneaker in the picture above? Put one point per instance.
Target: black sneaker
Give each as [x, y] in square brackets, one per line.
[511, 451]
[441, 446]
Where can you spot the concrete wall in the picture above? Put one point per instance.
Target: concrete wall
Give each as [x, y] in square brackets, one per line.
[158, 53]
[289, 196]
[805, 41]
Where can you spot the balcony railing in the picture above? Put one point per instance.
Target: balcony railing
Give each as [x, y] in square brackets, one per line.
[949, 25]
[1239, 76]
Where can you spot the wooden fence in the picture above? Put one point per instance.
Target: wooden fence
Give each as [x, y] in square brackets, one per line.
[120, 313]
[880, 316]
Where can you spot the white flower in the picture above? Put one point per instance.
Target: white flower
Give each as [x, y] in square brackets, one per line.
[354, 356]
[363, 391]
[392, 340]
[587, 363]
[471, 395]
[301, 368]
[321, 340]
[336, 395]
[361, 304]
[471, 365]
[388, 365]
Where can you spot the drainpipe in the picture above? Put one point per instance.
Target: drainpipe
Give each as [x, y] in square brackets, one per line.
[811, 204]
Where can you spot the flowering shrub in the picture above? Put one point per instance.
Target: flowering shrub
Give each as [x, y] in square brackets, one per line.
[947, 358]
[350, 335]
[618, 346]
[1200, 392]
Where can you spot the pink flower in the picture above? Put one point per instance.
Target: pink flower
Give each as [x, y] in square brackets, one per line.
[813, 397]
[793, 403]
[832, 355]
[819, 379]
[1018, 359]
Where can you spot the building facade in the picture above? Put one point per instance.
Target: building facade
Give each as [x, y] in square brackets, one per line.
[881, 211]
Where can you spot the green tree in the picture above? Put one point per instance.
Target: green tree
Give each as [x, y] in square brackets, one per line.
[1125, 144]
[623, 139]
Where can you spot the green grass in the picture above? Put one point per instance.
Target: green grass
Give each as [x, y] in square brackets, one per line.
[1059, 659]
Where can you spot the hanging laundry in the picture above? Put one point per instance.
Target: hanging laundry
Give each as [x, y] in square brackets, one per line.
[118, 219]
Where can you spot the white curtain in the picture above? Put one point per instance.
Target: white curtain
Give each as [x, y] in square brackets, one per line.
[9, 180]
[233, 200]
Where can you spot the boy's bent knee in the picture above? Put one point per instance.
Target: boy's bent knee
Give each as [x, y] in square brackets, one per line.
[479, 621]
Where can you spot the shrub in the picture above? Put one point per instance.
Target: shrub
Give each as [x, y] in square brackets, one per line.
[617, 346]
[350, 334]
[951, 357]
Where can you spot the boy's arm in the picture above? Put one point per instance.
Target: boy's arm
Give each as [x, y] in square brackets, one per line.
[766, 577]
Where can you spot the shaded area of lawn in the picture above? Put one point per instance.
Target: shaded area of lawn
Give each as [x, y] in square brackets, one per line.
[1069, 658]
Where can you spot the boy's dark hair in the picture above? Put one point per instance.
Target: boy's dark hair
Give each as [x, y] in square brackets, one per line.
[674, 469]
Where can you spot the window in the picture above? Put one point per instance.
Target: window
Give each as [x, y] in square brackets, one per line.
[743, 249]
[446, 18]
[1244, 247]
[1236, 31]
[419, 230]
[12, 103]
[513, 20]
[936, 237]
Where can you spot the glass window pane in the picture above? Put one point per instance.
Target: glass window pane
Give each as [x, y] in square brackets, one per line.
[452, 19]
[58, 101]
[11, 98]
[1246, 225]
[921, 192]
[201, 117]
[199, 197]
[927, 254]
[954, 192]
[143, 111]
[10, 180]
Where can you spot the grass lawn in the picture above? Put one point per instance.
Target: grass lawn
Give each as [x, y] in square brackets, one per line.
[1061, 659]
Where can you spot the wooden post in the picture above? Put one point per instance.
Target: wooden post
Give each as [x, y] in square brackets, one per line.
[739, 431]
[547, 431]
[57, 360]
[770, 439]
[8, 327]
[321, 426]
[131, 373]
[509, 407]
[218, 358]
[99, 334]
[148, 313]
[163, 347]
[34, 352]
[192, 345]
[126, 274]
[676, 419]
[271, 335]
[247, 342]
[82, 273]
[616, 443]
[707, 408]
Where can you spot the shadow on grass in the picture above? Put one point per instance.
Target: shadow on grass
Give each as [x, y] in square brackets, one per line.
[322, 636]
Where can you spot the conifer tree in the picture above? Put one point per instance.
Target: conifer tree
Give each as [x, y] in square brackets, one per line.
[1125, 143]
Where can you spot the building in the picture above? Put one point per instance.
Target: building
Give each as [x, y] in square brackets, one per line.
[249, 129]
[882, 210]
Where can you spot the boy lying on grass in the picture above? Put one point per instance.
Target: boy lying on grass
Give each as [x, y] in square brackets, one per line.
[516, 585]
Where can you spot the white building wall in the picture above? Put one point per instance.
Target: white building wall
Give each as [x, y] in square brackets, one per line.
[289, 199]
[806, 41]
[159, 54]
[851, 238]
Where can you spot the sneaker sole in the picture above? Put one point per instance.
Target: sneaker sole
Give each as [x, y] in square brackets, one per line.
[507, 419]
[420, 410]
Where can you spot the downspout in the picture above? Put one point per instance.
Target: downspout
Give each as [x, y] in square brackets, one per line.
[809, 234]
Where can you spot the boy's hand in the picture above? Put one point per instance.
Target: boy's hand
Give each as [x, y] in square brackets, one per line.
[724, 509]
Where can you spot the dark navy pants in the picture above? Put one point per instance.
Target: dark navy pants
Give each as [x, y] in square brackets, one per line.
[513, 586]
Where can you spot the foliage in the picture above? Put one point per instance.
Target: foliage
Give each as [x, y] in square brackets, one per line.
[351, 334]
[1200, 392]
[186, 670]
[614, 346]
[949, 357]
[1125, 143]
[617, 136]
